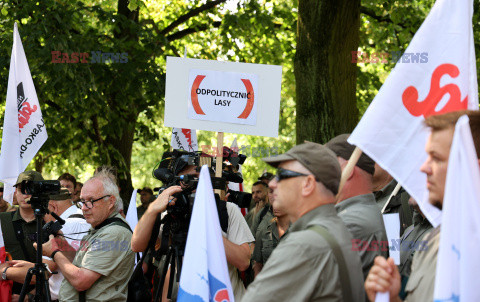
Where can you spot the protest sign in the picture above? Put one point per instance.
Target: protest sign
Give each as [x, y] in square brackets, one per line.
[223, 96]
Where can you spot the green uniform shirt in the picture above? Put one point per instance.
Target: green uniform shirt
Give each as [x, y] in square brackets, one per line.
[266, 241]
[265, 219]
[398, 204]
[249, 218]
[140, 211]
[303, 268]
[107, 252]
[424, 267]
[411, 242]
[12, 245]
[365, 222]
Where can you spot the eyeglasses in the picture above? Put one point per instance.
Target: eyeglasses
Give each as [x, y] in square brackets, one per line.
[89, 203]
[285, 174]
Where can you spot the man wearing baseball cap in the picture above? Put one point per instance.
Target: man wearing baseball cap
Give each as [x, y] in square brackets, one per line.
[357, 207]
[16, 226]
[146, 197]
[314, 261]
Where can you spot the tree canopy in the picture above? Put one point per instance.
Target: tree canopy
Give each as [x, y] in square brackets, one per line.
[111, 113]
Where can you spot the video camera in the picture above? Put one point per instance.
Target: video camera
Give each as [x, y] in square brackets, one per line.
[39, 188]
[40, 191]
[176, 161]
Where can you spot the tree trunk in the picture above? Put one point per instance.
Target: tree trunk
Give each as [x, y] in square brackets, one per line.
[327, 33]
[123, 145]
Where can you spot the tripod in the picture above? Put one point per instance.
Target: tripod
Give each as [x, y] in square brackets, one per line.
[42, 289]
[173, 254]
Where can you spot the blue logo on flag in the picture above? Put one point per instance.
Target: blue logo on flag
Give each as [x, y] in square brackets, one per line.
[218, 292]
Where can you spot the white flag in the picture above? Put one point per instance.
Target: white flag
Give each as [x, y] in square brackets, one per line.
[185, 139]
[204, 272]
[131, 216]
[458, 263]
[437, 74]
[24, 131]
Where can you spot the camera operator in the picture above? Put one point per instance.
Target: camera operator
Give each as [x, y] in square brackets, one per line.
[101, 268]
[237, 239]
[16, 226]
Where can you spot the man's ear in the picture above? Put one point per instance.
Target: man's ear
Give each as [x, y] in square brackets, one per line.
[308, 185]
[113, 200]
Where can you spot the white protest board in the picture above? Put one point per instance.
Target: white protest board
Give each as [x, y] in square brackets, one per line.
[392, 226]
[223, 96]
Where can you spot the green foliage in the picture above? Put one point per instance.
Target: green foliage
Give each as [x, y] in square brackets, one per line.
[386, 26]
[91, 109]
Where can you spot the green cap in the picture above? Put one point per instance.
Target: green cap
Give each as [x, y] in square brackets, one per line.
[344, 149]
[318, 159]
[64, 194]
[28, 175]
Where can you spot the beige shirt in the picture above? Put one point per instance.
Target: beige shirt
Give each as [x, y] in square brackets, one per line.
[421, 283]
[303, 267]
[107, 252]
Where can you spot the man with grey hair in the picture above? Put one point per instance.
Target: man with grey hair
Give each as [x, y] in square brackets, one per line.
[101, 268]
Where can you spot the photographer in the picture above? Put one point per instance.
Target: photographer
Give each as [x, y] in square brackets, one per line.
[237, 239]
[101, 268]
[16, 226]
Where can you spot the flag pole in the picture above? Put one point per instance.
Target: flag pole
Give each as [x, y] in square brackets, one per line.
[219, 162]
[347, 172]
[394, 193]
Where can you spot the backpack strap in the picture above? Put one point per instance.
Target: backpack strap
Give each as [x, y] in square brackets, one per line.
[113, 221]
[342, 266]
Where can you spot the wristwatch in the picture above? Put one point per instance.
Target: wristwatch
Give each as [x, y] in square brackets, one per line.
[4, 274]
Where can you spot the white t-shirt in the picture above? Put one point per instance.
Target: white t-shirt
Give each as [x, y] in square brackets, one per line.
[69, 229]
[239, 233]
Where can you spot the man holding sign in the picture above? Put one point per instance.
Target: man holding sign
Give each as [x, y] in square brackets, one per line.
[384, 275]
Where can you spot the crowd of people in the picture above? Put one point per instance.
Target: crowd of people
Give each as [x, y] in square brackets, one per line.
[303, 238]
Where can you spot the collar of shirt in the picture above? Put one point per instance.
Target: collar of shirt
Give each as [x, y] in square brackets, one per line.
[365, 199]
[315, 216]
[387, 190]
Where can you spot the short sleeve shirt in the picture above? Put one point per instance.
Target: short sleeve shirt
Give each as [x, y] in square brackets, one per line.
[238, 233]
[107, 252]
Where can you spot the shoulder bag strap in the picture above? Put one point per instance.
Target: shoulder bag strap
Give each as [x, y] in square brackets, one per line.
[342, 266]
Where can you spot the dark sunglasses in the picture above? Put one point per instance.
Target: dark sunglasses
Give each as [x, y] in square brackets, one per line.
[285, 174]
